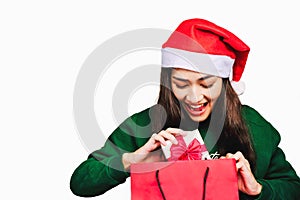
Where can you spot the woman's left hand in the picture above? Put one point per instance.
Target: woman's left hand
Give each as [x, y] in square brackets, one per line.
[246, 180]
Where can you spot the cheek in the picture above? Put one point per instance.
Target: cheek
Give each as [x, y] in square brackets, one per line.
[215, 92]
[179, 94]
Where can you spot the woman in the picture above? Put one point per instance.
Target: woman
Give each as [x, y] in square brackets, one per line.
[196, 92]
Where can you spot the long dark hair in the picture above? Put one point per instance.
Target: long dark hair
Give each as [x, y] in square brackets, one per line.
[234, 135]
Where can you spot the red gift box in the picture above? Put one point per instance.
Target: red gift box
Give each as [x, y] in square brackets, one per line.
[190, 180]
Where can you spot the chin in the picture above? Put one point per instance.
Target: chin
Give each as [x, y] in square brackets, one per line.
[198, 118]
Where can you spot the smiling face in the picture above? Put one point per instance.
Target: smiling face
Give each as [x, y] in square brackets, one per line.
[196, 92]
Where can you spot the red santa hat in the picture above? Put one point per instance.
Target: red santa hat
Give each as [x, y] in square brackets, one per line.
[202, 46]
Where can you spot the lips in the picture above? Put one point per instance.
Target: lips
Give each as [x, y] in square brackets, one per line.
[196, 109]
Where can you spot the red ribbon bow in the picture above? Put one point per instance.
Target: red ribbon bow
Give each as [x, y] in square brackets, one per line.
[182, 152]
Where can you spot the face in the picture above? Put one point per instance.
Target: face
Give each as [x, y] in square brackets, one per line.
[196, 92]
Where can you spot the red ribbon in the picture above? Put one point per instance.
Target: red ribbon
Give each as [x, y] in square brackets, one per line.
[183, 152]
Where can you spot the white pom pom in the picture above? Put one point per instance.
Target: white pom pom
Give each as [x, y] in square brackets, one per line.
[239, 87]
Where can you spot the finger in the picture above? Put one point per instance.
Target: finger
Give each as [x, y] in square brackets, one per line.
[237, 156]
[169, 136]
[151, 144]
[239, 165]
[176, 131]
[229, 155]
[241, 160]
[243, 164]
[159, 138]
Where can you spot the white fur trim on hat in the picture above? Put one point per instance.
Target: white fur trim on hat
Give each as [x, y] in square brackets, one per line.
[239, 87]
[217, 65]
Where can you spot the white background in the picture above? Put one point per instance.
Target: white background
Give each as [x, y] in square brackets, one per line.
[44, 44]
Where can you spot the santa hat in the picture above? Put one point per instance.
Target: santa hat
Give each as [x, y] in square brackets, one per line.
[202, 46]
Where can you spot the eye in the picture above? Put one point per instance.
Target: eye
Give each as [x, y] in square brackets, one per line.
[180, 86]
[207, 86]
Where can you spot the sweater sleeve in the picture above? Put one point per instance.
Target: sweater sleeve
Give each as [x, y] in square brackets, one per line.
[281, 181]
[103, 169]
[276, 175]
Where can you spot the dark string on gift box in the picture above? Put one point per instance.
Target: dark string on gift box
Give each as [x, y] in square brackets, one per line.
[204, 183]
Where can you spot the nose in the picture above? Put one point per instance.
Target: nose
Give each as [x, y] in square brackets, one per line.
[194, 95]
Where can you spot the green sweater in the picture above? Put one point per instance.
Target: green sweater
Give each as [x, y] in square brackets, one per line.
[103, 169]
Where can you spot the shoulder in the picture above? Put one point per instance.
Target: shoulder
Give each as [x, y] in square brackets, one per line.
[252, 116]
[132, 131]
[143, 117]
[142, 120]
[260, 128]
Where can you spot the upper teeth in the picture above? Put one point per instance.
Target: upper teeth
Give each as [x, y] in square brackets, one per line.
[198, 106]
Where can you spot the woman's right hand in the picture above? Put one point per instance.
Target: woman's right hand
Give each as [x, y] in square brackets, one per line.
[150, 151]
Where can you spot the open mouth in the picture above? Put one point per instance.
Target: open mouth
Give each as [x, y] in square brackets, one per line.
[196, 109]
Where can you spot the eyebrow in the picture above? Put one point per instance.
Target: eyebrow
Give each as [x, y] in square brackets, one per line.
[186, 80]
